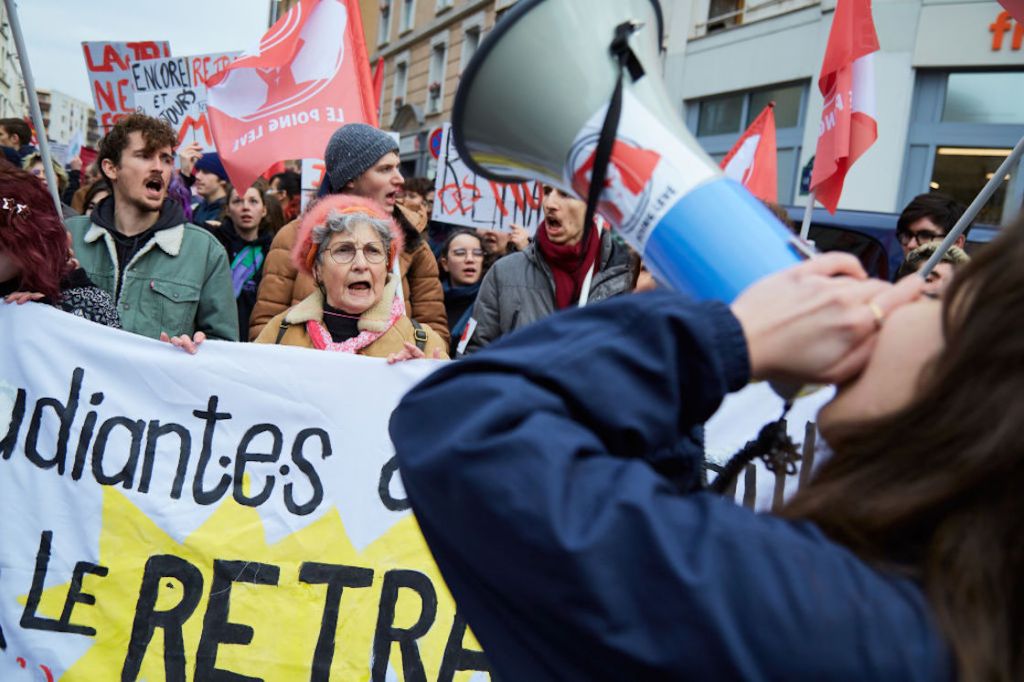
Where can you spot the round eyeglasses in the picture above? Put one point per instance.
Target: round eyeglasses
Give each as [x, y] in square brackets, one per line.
[345, 252]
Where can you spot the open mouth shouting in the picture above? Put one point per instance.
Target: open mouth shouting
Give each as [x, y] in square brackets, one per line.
[155, 188]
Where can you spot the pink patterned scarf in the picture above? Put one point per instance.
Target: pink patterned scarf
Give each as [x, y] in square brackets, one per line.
[322, 340]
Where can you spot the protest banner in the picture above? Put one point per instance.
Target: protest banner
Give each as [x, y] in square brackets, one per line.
[236, 514]
[108, 64]
[461, 197]
[174, 89]
[308, 77]
[313, 171]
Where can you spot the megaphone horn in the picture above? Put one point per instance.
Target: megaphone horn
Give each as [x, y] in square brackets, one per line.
[546, 89]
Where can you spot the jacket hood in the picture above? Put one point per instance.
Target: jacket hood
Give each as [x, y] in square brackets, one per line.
[172, 214]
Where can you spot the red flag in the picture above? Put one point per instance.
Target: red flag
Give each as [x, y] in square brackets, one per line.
[1015, 8]
[847, 82]
[753, 160]
[378, 83]
[308, 77]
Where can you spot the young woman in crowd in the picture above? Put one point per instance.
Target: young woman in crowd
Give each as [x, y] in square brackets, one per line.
[462, 263]
[581, 559]
[35, 261]
[348, 246]
[94, 196]
[246, 235]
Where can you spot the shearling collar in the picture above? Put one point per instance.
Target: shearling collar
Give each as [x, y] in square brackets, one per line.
[169, 240]
[376, 319]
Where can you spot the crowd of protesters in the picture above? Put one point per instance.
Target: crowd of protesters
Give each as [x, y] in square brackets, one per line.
[175, 252]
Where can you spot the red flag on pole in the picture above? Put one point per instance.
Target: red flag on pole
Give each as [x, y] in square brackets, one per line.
[309, 75]
[753, 160]
[847, 82]
[378, 83]
[1015, 8]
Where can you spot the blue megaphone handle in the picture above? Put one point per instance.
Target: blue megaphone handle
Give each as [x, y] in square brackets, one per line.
[716, 241]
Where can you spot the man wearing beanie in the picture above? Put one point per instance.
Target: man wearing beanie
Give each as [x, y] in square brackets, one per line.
[211, 185]
[363, 161]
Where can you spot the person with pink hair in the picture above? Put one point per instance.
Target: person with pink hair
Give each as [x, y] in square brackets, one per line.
[348, 245]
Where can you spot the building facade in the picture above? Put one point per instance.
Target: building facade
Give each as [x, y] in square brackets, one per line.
[425, 45]
[64, 116]
[949, 91]
[13, 102]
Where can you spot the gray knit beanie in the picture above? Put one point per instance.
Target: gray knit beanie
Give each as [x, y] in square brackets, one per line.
[353, 149]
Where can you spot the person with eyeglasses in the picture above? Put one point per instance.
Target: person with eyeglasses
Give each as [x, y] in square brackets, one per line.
[462, 267]
[348, 245]
[928, 218]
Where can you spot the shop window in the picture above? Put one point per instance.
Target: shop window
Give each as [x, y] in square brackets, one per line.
[959, 134]
[961, 172]
[719, 121]
[970, 98]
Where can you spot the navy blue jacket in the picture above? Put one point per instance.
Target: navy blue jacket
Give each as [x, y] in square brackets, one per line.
[533, 470]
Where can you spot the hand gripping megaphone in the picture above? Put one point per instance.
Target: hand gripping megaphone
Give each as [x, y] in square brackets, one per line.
[567, 92]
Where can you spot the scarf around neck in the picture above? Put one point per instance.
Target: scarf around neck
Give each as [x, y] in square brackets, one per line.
[568, 269]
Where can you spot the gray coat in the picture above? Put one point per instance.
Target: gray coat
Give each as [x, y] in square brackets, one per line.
[519, 290]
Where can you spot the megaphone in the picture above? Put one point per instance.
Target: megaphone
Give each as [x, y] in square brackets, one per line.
[534, 100]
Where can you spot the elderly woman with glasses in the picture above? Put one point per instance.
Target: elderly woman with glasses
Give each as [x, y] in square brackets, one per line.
[347, 245]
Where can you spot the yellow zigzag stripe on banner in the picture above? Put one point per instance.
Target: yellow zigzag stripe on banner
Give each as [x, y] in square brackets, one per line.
[286, 618]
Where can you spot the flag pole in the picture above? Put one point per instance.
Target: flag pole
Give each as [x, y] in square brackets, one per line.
[975, 208]
[33, 102]
[805, 226]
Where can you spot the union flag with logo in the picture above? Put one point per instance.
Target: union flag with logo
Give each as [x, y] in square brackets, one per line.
[309, 76]
[849, 123]
[753, 160]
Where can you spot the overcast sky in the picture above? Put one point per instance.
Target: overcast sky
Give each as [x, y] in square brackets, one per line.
[54, 31]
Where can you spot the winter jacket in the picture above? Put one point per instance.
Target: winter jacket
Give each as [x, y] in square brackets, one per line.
[532, 469]
[245, 258]
[312, 308]
[283, 286]
[79, 297]
[458, 306]
[176, 279]
[519, 289]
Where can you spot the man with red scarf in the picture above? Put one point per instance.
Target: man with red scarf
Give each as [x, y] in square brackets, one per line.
[549, 274]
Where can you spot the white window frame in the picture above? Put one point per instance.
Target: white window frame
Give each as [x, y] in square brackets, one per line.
[439, 40]
[401, 60]
[384, 27]
[442, 5]
[407, 21]
[471, 24]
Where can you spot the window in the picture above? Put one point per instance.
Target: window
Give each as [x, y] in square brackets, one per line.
[970, 98]
[718, 122]
[723, 14]
[443, 5]
[959, 135]
[435, 80]
[408, 16]
[384, 27]
[401, 82]
[472, 31]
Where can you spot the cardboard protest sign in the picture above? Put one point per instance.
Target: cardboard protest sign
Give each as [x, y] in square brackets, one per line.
[174, 89]
[235, 514]
[109, 78]
[461, 197]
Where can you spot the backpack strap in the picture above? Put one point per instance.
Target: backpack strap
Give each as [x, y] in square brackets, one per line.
[281, 331]
[419, 334]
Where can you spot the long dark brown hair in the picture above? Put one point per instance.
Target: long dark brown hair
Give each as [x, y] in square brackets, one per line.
[936, 491]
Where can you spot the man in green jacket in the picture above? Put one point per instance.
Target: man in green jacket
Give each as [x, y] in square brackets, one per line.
[165, 274]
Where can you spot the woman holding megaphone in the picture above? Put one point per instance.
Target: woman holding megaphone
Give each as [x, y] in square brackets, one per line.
[534, 469]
